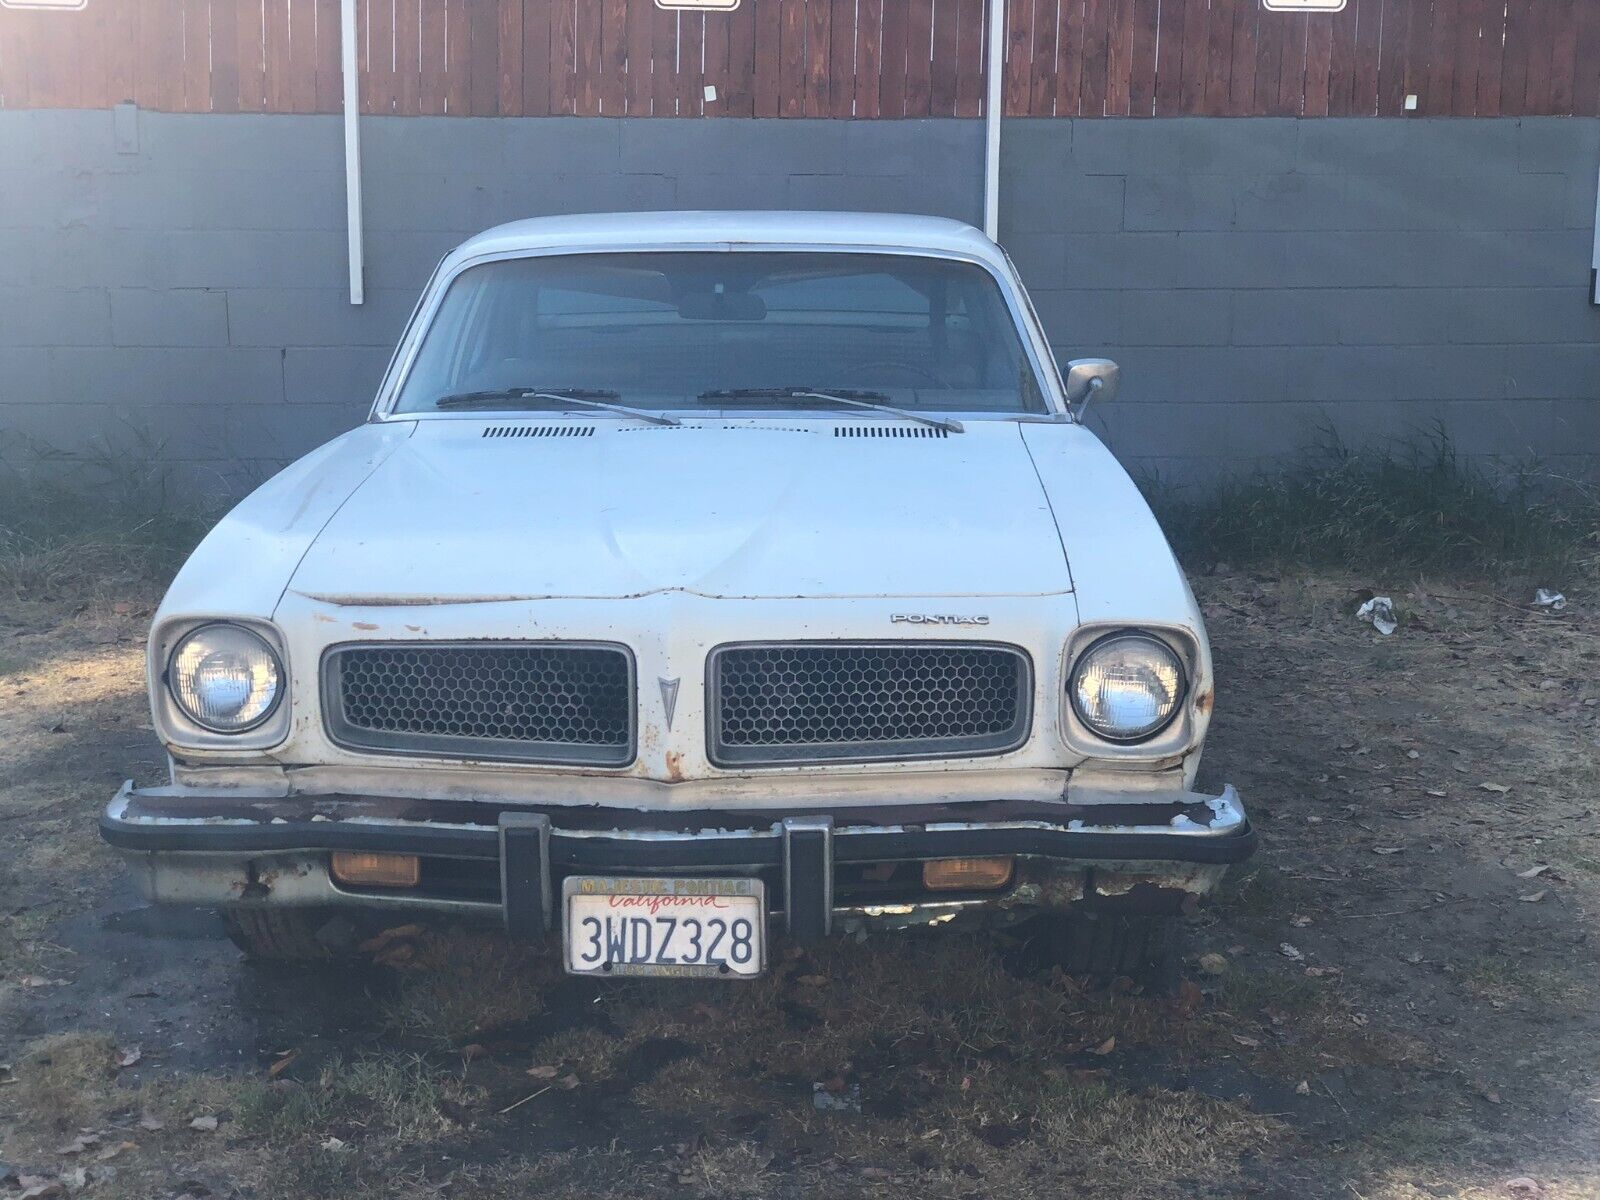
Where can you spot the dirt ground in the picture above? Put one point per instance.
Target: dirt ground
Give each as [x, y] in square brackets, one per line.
[1395, 999]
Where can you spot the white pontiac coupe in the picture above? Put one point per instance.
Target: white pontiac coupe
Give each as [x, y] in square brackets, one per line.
[696, 577]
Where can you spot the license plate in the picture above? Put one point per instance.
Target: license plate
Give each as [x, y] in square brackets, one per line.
[681, 927]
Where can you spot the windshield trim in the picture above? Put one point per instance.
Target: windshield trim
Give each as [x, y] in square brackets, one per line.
[1034, 345]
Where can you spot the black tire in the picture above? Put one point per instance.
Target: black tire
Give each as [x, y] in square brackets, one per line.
[1108, 945]
[279, 935]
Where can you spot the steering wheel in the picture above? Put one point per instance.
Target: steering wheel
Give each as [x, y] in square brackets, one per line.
[909, 368]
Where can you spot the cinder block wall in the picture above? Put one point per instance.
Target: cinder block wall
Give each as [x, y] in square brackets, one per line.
[175, 284]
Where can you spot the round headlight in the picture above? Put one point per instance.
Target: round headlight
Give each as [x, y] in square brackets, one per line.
[1127, 687]
[225, 678]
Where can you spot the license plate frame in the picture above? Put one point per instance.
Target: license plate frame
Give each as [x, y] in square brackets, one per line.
[592, 897]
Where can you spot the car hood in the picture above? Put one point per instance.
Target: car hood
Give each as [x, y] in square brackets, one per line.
[474, 510]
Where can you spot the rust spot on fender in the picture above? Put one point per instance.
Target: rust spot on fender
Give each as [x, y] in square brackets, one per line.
[363, 625]
[1202, 702]
[675, 766]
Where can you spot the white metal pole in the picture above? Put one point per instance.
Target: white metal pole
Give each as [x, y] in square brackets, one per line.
[352, 149]
[991, 118]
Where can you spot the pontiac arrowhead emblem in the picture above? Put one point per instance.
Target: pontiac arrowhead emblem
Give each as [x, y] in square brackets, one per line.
[669, 697]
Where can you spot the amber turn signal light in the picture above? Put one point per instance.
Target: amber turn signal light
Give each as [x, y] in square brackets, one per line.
[376, 870]
[966, 874]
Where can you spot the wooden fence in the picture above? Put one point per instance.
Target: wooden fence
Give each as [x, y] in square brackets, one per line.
[812, 58]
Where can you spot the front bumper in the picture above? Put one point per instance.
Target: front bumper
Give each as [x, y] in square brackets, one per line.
[506, 862]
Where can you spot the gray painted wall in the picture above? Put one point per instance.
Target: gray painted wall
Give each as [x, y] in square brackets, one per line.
[179, 280]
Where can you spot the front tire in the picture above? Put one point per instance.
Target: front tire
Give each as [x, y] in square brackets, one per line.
[281, 935]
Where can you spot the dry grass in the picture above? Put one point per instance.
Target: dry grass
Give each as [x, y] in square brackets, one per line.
[465, 984]
[62, 1083]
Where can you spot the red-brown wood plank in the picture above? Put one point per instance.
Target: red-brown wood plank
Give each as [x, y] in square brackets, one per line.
[1142, 59]
[586, 38]
[1437, 99]
[819, 48]
[1092, 87]
[663, 63]
[196, 60]
[741, 61]
[1369, 30]
[408, 57]
[1242, 61]
[535, 59]
[1465, 40]
[691, 45]
[1564, 56]
[1491, 58]
[1119, 58]
[1341, 60]
[1269, 60]
[508, 81]
[1169, 57]
[637, 86]
[1541, 43]
[1292, 68]
[1586, 84]
[842, 58]
[1514, 69]
[160, 83]
[1219, 57]
[946, 83]
[768, 56]
[14, 53]
[277, 63]
[1041, 98]
[919, 60]
[610, 56]
[969, 57]
[1392, 52]
[869, 58]
[303, 55]
[1418, 53]
[892, 60]
[433, 82]
[1319, 60]
[792, 59]
[716, 63]
[1015, 83]
[1195, 34]
[563, 55]
[224, 58]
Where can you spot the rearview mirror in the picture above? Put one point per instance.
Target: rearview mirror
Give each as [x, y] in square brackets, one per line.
[1088, 378]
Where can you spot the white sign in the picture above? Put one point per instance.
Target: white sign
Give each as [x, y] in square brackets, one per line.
[698, 5]
[1303, 6]
[60, 5]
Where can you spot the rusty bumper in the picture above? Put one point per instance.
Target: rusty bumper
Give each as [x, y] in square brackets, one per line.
[825, 870]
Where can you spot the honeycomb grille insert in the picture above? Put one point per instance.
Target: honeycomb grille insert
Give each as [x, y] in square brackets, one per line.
[800, 702]
[541, 702]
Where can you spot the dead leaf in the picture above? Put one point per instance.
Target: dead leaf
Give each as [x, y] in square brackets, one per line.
[1189, 999]
[282, 1065]
[474, 1050]
[129, 1056]
[335, 1144]
[1323, 972]
[79, 1144]
[879, 1173]
[1486, 1091]
[1105, 1047]
[151, 1123]
[1292, 953]
[568, 1082]
[122, 608]
[1213, 963]
[1534, 897]
[1498, 789]
[40, 1191]
[1302, 1088]
[204, 1124]
[1524, 1185]
[1299, 920]
[396, 955]
[111, 1152]
[543, 1072]
[76, 1179]
[1249, 1043]
[1438, 793]
[1533, 872]
[39, 981]
[1387, 849]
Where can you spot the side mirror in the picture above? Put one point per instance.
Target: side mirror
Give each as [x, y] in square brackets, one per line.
[1088, 378]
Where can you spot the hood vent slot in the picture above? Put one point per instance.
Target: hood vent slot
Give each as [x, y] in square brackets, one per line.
[522, 431]
[890, 431]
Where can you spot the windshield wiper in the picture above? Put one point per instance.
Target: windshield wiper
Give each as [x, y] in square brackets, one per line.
[601, 398]
[851, 397]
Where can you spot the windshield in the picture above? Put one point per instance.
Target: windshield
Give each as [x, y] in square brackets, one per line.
[709, 330]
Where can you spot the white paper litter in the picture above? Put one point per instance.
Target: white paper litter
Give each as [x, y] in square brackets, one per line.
[1379, 613]
[1545, 598]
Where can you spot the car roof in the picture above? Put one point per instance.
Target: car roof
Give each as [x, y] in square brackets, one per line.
[665, 230]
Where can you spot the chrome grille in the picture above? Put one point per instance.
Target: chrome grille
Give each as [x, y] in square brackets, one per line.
[536, 702]
[798, 702]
